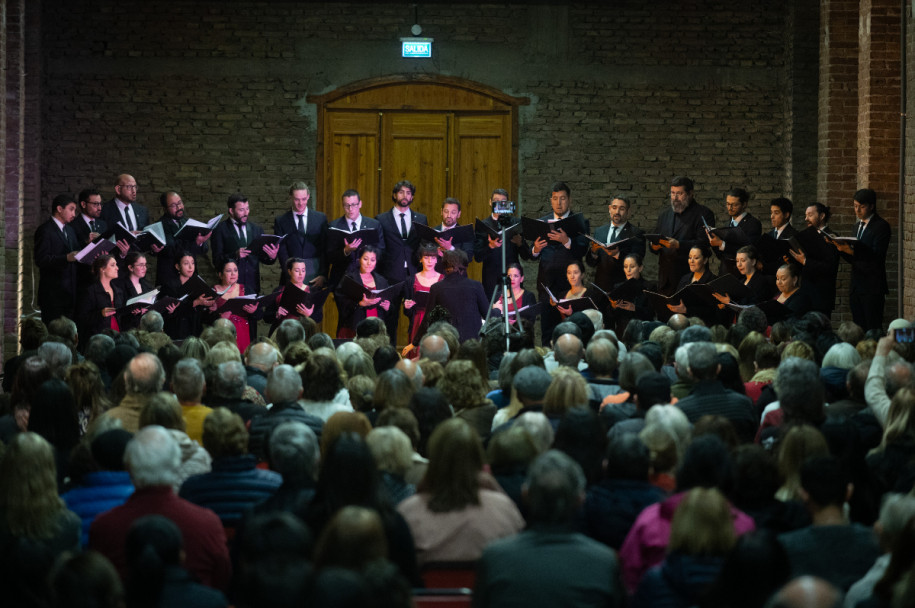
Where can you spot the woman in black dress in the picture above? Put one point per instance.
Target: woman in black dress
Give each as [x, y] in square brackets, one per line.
[98, 306]
[183, 320]
[638, 307]
[133, 284]
[699, 272]
[353, 311]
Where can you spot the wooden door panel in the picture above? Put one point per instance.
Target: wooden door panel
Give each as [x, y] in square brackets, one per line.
[482, 162]
[353, 160]
[415, 147]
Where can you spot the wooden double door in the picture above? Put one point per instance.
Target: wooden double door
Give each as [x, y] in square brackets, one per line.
[448, 136]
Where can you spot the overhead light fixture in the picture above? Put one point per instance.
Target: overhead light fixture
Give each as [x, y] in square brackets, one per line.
[415, 47]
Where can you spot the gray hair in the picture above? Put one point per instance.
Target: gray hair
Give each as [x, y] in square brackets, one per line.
[152, 322]
[602, 356]
[284, 384]
[57, 355]
[391, 449]
[539, 429]
[896, 511]
[188, 380]
[681, 358]
[346, 350]
[596, 317]
[262, 355]
[153, 457]
[64, 327]
[231, 380]
[99, 348]
[797, 382]
[703, 360]
[842, 355]
[531, 383]
[555, 487]
[288, 332]
[144, 374]
[294, 451]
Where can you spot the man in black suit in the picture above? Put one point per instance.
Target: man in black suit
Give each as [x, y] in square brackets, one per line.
[555, 254]
[736, 201]
[88, 226]
[780, 210]
[124, 207]
[400, 243]
[232, 239]
[306, 236]
[173, 218]
[488, 250]
[868, 262]
[820, 260]
[461, 296]
[55, 254]
[451, 214]
[682, 223]
[608, 260]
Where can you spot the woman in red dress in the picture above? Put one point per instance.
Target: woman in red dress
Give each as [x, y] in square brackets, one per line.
[422, 282]
[228, 283]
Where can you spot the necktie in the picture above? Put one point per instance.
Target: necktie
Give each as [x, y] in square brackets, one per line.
[67, 239]
[242, 241]
[127, 219]
[353, 226]
[612, 235]
[403, 226]
[734, 223]
[302, 223]
[93, 227]
[861, 226]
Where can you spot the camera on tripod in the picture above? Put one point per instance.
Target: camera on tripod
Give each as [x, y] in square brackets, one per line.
[505, 210]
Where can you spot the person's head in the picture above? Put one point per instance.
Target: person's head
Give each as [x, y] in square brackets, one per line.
[752, 571]
[824, 483]
[560, 198]
[284, 385]
[753, 319]
[455, 261]
[90, 203]
[632, 367]
[435, 348]
[575, 274]
[602, 357]
[368, 259]
[352, 205]
[619, 210]
[344, 423]
[85, 580]
[262, 356]
[451, 212]
[900, 421]
[125, 188]
[58, 356]
[238, 207]
[735, 201]
[746, 260]
[652, 388]
[163, 409]
[703, 361]
[321, 378]
[455, 461]
[188, 380]
[817, 215]
[228, 272]
[152, 458]
[706, 464]
[63, 208]
[462, 385]
[353, 539]
[172, 204]
[841, 355]
[567, 390]
[780, 211]
[681, 193]
[698, 259]
[28, 487]
[583, 436]
[498, 195]
[627, 457]
[153, 544]
[136, 264]
[293, 452]
[144, 375]
[632, 266]
[31, 333]
[402, 194]
[53, 414]
[800, 391]
[865, 203]
[896, 512]
[428, 256]
[807, 592]
[391, 448]
[105, 268]
[296, 270]
[393, 388]
[787, 279]
[568, 351]
[531, 383]
[554, 489]
[511, 449]
[412, 369]
[224, 434]
[702, 524]
[152, 322]
[298, 197]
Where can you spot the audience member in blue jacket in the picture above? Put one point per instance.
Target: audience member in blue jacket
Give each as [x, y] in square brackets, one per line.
[106, 488]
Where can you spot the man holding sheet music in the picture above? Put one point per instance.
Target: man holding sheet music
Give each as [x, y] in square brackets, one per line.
[305, 233]
[608, 257]
[55, 254]
[742, 229]
[867, 256]
[345, 236]
[555, 250]
[487, 247]
[678, 230]
[818, 258]
[124, 207]
[176, 244]
[451, 213]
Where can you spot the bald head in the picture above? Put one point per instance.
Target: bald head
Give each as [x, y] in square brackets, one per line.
[225, 324]
[434, 348]
[413, 371]
[262, 356]
[568, 350]
[678, 322]
[126, 188]
[144, 374]
[807, 592]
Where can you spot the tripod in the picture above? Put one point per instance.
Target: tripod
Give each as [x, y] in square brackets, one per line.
[505, 287]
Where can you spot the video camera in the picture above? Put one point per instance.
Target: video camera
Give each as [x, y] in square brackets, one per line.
[505, 210]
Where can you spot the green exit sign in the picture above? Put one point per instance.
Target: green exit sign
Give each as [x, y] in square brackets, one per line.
[416, 47]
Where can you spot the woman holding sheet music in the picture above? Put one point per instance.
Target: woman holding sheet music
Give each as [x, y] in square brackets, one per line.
[523, 297]
[133, 284]
[98, 307]
[699, 272]
[296, 271]
[231, 288]
[636, 305]
[575, 275]
[760, 285]
[422, 282]
[352, 311]
[183, 319]
[787, 280]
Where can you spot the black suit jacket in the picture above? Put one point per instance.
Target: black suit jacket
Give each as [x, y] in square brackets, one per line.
[130, 321]
[225, 247]
[492, 258]
[555, 258]
[397, 250]
[609, 270]
[112, 215]
[688, 229]
[168, 257]
[820, 274]
[84, 276]
[340, 263]
[868, 263]
[89, 317]
[312, 246]
[786, 234]
[752, 230]
[464, 299]
[57, 276]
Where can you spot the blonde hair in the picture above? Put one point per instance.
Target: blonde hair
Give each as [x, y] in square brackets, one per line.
[666, 434]
[222, 352]
[28, 487]
[702, 524]
[224, 434]
[900, 423]
[568, 389]
[800, 443]
[797, 348]
[391, 448]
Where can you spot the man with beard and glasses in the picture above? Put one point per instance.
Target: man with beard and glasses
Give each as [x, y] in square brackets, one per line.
[736, 201]
[173, 219]
[608, 260]
[819, 260]
[682, 227]
[232, 240]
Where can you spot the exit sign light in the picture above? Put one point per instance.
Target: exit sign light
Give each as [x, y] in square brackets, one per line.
[416, 48]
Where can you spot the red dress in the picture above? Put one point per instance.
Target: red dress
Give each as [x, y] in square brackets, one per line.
[419, 313]
[242, 329]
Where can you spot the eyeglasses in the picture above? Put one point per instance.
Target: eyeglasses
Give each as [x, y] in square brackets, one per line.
[128, 186]
[352, 206]
[92, 204]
